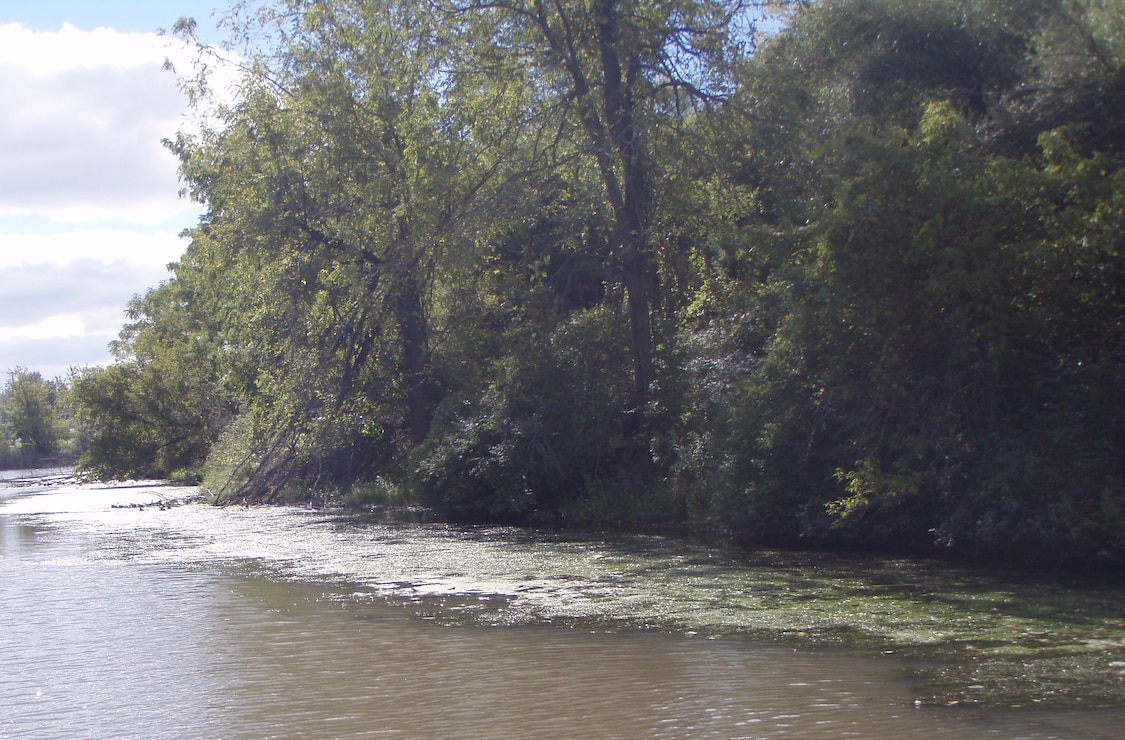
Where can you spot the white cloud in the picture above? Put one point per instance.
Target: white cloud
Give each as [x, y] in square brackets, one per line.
[33, 293]
[88, 195]
[82, 122]
[61, 312]
[63, 326]
[103, 245]
[55, 356]
[69, 48]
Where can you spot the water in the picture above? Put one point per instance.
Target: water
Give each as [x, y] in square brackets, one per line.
[193, 622]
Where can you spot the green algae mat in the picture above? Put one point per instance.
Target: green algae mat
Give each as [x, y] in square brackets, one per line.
[973, 636]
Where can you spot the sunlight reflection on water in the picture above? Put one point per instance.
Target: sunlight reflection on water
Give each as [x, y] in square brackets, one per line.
[193, 621]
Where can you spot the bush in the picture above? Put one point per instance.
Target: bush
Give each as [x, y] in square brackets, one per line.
[549, 441]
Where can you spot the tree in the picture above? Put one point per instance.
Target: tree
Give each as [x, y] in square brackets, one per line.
[450, 244]
[30, 405]
[614, 68]
[343, 193]
[159, 408]
[904, 298]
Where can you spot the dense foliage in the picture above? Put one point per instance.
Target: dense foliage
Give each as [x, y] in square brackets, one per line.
[36, 421]
[857, 282]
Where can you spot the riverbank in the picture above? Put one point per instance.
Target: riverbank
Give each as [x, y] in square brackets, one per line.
[970, 636]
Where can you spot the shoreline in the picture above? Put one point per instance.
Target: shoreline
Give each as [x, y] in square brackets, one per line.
[971, 636]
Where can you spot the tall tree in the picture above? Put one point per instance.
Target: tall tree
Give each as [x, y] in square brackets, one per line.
[614, 68]
[29, 403]
[910, 276]
[343, 191]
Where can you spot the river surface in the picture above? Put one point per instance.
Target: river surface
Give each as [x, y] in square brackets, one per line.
[127, 614]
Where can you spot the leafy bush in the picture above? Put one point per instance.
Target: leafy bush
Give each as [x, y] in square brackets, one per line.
[549, 440]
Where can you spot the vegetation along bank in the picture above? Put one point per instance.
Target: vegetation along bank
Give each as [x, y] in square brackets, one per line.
[853, 281]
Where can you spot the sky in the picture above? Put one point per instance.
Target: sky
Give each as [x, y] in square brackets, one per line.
[90, 211]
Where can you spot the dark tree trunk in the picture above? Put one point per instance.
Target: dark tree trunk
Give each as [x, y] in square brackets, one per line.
[415, 348]
[630, 202]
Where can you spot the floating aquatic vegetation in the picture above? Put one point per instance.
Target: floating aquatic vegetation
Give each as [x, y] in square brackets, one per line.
[972, 636]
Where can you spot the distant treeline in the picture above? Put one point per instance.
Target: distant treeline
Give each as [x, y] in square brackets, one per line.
[855, 283]
[37, 423]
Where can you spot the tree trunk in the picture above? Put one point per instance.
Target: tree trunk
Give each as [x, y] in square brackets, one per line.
[631, 207]
[618, 148]
[412, 332]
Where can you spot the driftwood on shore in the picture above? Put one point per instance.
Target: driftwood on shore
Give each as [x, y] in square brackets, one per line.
[52, 480]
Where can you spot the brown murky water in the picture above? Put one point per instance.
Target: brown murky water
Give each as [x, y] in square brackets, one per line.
[194, 622]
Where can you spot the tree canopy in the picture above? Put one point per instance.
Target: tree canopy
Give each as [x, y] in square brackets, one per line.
[845, 273]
